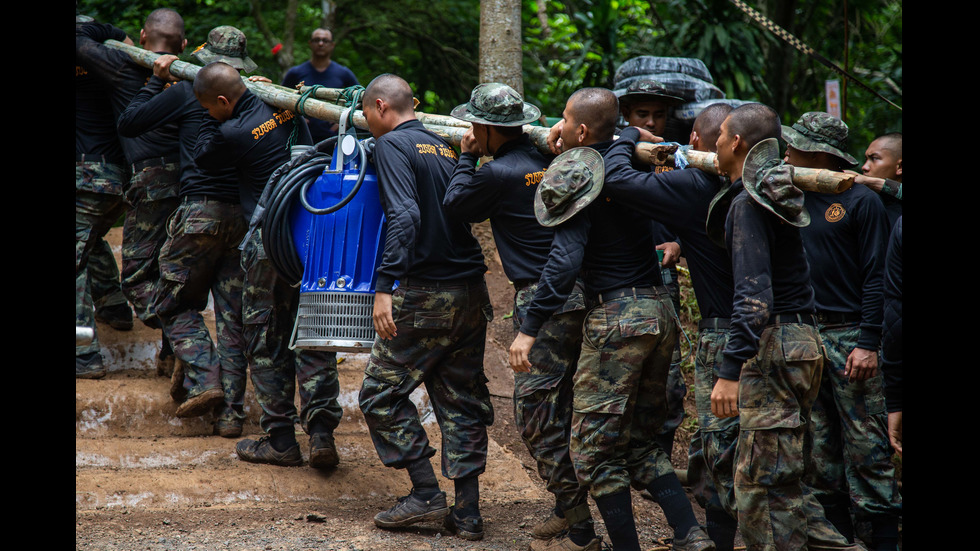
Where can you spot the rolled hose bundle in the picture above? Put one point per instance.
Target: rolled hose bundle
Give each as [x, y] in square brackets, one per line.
[277, 200]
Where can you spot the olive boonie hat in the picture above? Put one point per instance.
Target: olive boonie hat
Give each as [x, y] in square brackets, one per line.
[770, 182]
[571, 182]
[496, 104]
[225, 44]
[647, 89]
[816, 131]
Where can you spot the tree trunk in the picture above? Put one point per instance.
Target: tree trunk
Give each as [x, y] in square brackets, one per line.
[500, 43]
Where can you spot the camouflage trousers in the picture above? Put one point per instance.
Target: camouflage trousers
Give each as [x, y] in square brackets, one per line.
[440, 344]
[543, 397]
[200, 258]
[619, 393]
[98, 204]
[712, 451]
[676, 386]
[777, 388]
[851, 452]
[152, 196]
[269, 306]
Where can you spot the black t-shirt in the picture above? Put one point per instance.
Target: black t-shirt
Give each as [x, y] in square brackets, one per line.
[606, 243]
[95, 131]
[678, 199]
[159, 103]
[503, 191]
[845, 245]
[423, 240]
[770, 272]
[255, 141]
[122, 78]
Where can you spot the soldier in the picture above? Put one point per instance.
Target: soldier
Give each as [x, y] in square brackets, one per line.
[891, 340]
[431, 326]
[771, 367]
[619, 394]
[644, 105]
[882, 172]
[845, 246]
[100, 176]
[154, 157]
[679, 200]
[231, 137]
[503, 191]
[201, 256]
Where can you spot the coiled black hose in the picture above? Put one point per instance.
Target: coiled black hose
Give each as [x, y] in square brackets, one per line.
[277, 200]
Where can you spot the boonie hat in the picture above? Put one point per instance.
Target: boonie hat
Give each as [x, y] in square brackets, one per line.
[496, 104]
[819, 132]
[226, 44]
[770, 182]
[648, 89]
[572, 181]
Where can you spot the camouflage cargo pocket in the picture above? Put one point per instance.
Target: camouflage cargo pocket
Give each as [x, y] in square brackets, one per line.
[433, 320]
[638, 327]
[603, 403]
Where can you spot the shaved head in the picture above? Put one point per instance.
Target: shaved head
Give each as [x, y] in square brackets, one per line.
[393, 90]
[754, 122]
[218, 79]
[597, 109]
[892, 142]
[708, 124]
[883, 158]
[164, 31]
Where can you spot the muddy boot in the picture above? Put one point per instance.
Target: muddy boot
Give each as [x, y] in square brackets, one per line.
[412, 509]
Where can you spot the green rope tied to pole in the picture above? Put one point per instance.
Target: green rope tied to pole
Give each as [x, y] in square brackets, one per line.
[351, 96]
[300, 109]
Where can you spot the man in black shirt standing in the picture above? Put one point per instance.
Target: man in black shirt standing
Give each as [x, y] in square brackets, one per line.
[503, 191]
[882, 172]
[431, 326]
[770, 372]
[845, 246]
[619, 388]
[154, 156]
[241, 131]
[201, 256]
[679, 200]
[100, 177]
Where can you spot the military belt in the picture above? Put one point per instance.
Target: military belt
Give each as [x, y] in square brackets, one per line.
[153, 161]
[633, 292]
[837, 318]
[202, 198]
[440, 283]
[806, 319]
[714, 323]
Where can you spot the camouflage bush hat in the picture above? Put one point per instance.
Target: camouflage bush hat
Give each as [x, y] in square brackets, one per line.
[571, 182]
[817, 131]
[496, 104]
[225, 44]
[648, 89]
[770, 182]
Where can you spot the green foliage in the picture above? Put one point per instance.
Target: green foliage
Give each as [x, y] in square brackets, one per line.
[435, 46]
[582, 44]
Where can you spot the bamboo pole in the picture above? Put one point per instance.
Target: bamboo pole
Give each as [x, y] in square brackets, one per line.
[807, 179]
[452, 129]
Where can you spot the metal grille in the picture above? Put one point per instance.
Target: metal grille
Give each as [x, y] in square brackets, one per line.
[340, 322]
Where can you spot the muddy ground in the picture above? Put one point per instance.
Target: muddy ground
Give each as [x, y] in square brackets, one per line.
[197, 495]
